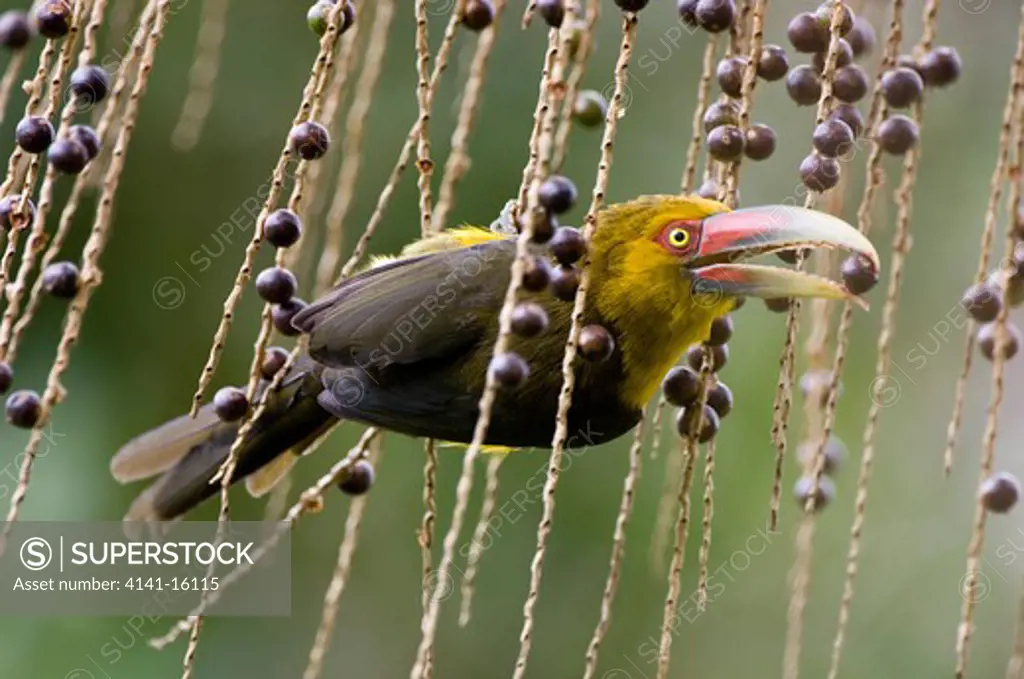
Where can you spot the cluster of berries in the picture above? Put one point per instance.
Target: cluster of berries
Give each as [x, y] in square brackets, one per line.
[557, 274]
[682, 385]
[70, 154]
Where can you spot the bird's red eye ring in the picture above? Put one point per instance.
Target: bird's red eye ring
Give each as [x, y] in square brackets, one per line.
[679, 237]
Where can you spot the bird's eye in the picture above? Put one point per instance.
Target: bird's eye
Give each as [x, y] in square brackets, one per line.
[678, 237]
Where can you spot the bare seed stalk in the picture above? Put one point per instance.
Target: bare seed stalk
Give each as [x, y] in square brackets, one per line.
[202, 76]
[476, 546]
[611, 585]
[697, 135]
[688, 452]
[9, 77]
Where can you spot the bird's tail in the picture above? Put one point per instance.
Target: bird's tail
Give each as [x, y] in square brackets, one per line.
[186, 453]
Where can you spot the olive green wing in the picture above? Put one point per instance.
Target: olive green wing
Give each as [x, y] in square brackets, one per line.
[395, 338]
[424, 309]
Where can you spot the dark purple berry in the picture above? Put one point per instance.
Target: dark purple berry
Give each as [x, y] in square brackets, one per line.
[557, 194]
[806, 34]
[8, 206]
[552, 11]
[564, 282]
[631, 5]
[803, 85]
[34, 134]
[686, 422]
[309, 140]
[715, 16]
[982, 302]
[850, 84]
[509, 369]
[24, 409]
[721, 331]
[987, 341]
[719, 356]
[773, 63]
[567, 245]
[276, 285]
[544, 225]
[15, 29]
[861, 37]
[902, 87]
[282, 228]
[273, 360]
[6, 376]
[479, 15]
[536, 274]
[529, 319]
[850, 115]
[1000, 492]
[61, 280]
[844, 57]
[596, 343]
[859, 274]
[230, 404]
[819, 173]
[908, 61]
[897, 134]
[824, 17]
[833, 138]
[778, 305]
[730, 75]
[282, 315]
[720, 399]
[358, 479]
[68, 156]
[87, 137]
[90, 84]
[725, 143]
[681, 386]
[826, 492]
[688, 12]
[760, 143]
[721, 113]
[53, 18]
[940, 67]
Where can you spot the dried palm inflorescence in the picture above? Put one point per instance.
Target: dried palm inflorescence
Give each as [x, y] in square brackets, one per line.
[834, 83]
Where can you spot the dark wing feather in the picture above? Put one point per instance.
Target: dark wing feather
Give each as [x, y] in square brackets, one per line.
[395, 336]
[426, 308]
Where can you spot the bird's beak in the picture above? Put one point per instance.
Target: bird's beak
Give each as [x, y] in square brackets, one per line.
[730, 236]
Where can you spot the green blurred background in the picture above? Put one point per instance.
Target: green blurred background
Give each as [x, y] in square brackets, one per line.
[136, 365]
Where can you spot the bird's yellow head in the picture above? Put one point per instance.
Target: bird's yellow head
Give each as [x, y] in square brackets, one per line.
[664, 267]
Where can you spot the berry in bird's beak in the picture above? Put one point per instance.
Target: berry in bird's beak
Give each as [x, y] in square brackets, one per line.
[728, 237]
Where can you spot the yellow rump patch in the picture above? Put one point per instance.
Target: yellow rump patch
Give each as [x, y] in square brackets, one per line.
[487, 450]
